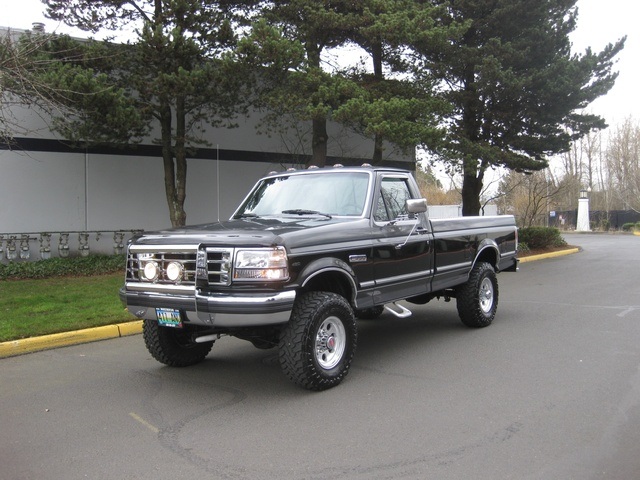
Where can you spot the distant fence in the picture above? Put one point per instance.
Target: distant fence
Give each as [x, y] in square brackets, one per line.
[599, 219]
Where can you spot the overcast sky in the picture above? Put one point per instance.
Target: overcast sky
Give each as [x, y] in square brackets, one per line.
[599, 22]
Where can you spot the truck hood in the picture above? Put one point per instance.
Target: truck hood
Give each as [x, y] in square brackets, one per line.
[262, 232]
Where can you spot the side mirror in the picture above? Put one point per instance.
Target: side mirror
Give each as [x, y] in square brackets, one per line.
[416, 205]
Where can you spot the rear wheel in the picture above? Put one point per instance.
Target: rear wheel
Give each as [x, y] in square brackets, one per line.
[318, 343]
[477, 300]
[172, 346]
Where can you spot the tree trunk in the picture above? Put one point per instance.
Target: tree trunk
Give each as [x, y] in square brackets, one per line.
[319, 143]
[175, 168]
[180, 216]
[471, 189]
[376, 55]
[472, 171]
[319, 136]
[377, 150]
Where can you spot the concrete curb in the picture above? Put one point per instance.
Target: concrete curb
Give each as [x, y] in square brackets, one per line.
[56, 340]
[46, 342]
[542, 256]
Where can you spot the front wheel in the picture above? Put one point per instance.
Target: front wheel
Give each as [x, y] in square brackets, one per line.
[172, 346]
[477, 300]
[318, 343]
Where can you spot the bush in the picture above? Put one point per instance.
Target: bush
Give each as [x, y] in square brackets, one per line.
[523, 247]
[627, 227]
[61, 267]
[541, 237]
[605, 225]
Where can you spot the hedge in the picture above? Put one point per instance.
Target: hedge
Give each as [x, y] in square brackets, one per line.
[60, 267]
[541, 237]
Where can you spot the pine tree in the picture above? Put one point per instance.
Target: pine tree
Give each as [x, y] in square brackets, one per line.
[516, 87]
[174, 75]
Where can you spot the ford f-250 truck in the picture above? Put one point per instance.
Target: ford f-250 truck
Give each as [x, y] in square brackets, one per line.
[305, 255]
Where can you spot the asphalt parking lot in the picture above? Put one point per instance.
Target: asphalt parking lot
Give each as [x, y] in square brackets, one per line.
[550, 391]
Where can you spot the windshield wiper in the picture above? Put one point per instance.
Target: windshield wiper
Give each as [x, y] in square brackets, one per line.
[246, 215]
[300, 211]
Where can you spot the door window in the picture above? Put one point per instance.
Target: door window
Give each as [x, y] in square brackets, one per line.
[394, 192]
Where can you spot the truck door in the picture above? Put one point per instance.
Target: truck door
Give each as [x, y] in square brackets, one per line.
[402, 242]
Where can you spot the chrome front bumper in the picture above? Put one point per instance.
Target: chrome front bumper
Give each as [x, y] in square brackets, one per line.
[214, 310]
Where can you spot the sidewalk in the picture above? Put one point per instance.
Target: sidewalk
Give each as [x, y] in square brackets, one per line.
[64, 339]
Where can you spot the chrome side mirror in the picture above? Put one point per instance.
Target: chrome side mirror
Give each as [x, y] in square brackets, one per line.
[416, 205]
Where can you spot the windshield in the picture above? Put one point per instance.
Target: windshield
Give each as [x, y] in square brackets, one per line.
[340, 194]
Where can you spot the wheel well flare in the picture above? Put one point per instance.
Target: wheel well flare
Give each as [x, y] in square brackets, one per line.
[489, 255]
[332, 280]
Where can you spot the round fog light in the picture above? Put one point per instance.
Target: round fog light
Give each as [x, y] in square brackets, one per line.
[151, 271]
[174, 271]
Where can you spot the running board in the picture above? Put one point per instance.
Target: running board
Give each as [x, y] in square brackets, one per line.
[403, 313]
[207, 338]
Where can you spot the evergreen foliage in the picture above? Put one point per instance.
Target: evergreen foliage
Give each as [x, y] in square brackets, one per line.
[515, 86]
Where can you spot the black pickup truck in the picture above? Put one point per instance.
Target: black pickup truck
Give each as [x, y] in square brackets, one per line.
[305, 255]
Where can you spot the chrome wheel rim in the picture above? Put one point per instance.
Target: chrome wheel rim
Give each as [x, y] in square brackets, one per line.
[330, 343]
[486, 295]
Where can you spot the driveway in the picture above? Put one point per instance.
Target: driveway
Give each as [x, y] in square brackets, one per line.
[550, 391]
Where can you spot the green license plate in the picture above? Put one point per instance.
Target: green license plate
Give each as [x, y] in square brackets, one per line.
[169, 317]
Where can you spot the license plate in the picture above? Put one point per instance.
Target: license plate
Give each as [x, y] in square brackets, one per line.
[169, 317]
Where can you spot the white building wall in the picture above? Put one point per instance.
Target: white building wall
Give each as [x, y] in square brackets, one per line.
[61, 192]
[52, 192]
[71, 191]
[41, 191]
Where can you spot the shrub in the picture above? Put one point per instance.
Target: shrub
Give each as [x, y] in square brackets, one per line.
[523, 247]
[60, 267]
[627, 227]
[541, 237]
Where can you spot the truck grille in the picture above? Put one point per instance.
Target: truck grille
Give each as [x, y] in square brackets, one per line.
[219, 265]
[211, 265]
[136, 261]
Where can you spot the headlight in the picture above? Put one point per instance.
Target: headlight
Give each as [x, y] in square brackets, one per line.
[261, 264]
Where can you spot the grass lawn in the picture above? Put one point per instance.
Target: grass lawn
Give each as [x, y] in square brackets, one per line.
[30, 308]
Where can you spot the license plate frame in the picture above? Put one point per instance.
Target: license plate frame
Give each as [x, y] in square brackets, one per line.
[169, 317]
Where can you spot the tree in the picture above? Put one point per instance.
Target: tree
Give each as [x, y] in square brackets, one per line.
[22, 58]
[175, 75]
[390, 103]
[531, 196]
[432, 189]
[286, 44]
[15, 84]
[623, 164]
[380, 100]
[516, 88]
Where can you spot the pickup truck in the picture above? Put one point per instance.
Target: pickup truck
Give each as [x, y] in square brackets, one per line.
[304, 256]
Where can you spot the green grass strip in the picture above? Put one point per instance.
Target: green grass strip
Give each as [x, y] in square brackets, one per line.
[30, 308]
